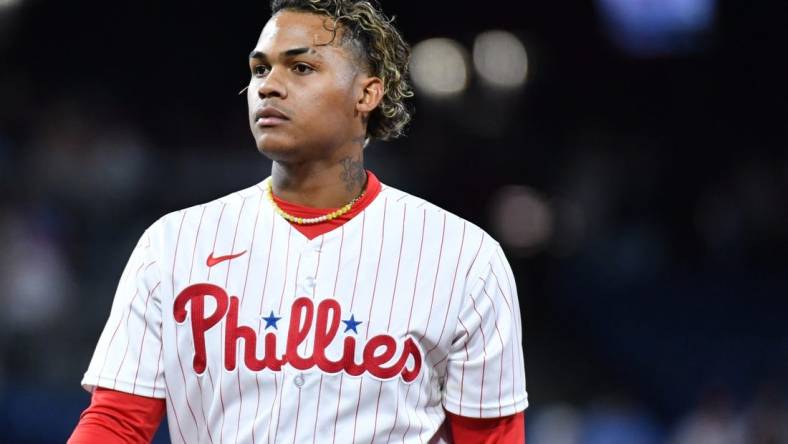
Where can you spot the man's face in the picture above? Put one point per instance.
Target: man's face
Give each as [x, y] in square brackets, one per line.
[302, 94]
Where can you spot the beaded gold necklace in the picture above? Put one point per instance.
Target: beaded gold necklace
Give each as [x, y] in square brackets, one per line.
[310, 220]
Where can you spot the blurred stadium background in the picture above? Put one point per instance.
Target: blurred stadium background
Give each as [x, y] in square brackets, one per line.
[629, 154]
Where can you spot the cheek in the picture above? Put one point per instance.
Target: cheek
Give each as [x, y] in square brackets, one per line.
[250, 95]
[334, 110]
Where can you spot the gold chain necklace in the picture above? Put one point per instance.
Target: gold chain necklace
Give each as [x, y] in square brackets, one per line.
[310, 220]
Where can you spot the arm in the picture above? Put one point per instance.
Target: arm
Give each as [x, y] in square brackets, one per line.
[125, 374]
[485, 391]
[117, 417]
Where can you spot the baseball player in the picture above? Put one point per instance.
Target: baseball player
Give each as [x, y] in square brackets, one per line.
[319, 305]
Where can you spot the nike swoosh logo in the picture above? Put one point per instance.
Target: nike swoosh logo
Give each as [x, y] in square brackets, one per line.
[211, 261]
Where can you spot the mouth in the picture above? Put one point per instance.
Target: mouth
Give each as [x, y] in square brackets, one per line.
[269, 116]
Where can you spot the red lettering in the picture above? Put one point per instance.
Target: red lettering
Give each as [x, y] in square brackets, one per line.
[234, 332]
[374, 362]
[411, 349]
[270, 360]
[298, 331]
[349, 356]
[329, 313]
[200, 324]
[378, 351]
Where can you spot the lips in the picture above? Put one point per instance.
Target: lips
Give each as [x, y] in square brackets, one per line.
[269, 116]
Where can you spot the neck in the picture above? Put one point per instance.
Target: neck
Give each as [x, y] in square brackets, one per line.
[323, 184]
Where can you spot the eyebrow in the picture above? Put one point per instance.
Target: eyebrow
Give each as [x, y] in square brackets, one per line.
[287, 54]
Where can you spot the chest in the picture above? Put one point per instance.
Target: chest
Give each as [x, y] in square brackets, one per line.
[368, 299]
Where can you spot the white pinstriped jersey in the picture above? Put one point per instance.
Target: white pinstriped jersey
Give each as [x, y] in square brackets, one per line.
[255, 334]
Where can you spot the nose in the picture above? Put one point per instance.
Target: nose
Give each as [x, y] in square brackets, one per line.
[272, 86]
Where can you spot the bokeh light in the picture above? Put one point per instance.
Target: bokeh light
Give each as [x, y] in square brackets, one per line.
[439, 67]
[500, 59]
[522, 218]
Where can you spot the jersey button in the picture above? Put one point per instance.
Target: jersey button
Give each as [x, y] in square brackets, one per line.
[298, 381]
[309, 281]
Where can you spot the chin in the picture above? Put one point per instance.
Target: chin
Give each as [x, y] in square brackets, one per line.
[275, 148]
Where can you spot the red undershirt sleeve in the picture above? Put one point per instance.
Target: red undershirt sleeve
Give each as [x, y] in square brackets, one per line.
[118, 417]
[507, 429]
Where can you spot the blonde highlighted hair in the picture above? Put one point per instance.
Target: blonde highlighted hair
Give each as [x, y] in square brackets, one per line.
[378, 46]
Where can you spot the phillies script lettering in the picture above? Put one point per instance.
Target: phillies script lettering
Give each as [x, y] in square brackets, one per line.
[302, 319]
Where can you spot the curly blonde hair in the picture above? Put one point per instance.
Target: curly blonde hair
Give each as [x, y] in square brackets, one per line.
[378, 46]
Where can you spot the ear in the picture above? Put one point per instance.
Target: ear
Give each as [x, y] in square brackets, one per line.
[371, 94]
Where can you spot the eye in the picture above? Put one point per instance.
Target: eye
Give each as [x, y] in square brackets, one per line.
[260, 70]
[303, 68]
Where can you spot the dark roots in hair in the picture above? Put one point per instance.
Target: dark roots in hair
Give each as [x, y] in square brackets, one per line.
[378, 46]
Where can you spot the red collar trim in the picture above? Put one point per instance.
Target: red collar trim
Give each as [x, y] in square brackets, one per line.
[314, 230]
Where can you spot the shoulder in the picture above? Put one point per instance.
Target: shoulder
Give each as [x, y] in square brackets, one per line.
[474, 243]
[169, 228]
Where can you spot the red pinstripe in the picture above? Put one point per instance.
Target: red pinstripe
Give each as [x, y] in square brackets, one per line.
[175, 413]
[306, 343]
[435, 282]
[429, 315]
[515, 324]
[298, 410]
[484, 352]
[451, 295]
[281, 298]
[208, 278]
[221, 325]
[210, 377]
[180, 363]
[295, 287]
[158, 358]
[196, 237]
[128, 317]
[352, 300]
[391, 310]
[317, 270]
[333, 294]
[191, 270]
[418, 267]
[276, 395]
[396, 273]
[500, 289]
[360, 255]
[213, 248]
[500, 338]
[259, 310]
[418, 401]
[287, 269]
[396, 412]
[428, 401]
[410, 315]
[142, 341]
[476, 256]
[317, 409]
[243, 294]
[467, 357]
[371, 304]
[120, 321]
[377, 268]
[279, 411]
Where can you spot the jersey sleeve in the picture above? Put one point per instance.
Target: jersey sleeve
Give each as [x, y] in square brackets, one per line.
[485, 369]
[128, 356]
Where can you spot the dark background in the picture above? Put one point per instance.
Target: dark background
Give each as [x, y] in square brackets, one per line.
[654, 308]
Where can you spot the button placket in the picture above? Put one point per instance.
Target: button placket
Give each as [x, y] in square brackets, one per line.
[306, 279]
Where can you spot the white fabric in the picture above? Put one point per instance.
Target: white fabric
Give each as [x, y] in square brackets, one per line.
[403, 268]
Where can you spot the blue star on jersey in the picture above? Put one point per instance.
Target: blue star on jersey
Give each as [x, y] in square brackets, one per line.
[351, 324]
[271, 320]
